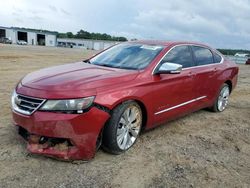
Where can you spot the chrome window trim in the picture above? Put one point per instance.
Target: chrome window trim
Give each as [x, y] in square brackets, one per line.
[18, 110]
[222, 58]
[179, 105]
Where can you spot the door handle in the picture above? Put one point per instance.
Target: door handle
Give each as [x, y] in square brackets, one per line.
[214, 70]
[191, 74]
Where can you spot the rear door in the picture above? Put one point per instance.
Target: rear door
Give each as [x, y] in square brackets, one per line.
[206, 71]
[173, 93]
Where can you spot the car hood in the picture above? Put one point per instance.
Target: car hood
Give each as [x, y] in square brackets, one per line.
[76, 76]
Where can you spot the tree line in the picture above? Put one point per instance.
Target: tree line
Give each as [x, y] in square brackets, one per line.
[233, 51]
[87, 35]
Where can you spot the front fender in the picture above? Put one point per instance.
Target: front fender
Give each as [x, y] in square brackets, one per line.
[113, 99]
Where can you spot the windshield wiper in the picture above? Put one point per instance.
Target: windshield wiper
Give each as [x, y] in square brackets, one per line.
[86, 61]
[114, 66]
[108, 65]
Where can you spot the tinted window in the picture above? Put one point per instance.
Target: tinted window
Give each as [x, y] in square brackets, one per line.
[203, 56]
[180, 55]
[217, 58]
[127, 56]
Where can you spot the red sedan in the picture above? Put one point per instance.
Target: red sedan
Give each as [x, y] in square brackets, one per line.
[69, 111]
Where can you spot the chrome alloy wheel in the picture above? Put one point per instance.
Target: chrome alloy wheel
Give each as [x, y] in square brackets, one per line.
[223, 98]
[129, 127]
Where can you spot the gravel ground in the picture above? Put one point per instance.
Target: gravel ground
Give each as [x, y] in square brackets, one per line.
[203, 149]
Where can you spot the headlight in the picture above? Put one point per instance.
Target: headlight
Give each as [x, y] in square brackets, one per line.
[68, 106]
[13, 100]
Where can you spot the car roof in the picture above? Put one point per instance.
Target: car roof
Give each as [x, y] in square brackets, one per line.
[168, 43]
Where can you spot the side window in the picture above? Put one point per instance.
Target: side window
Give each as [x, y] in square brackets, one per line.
[217, 58]
[203, 56]
[180, 55]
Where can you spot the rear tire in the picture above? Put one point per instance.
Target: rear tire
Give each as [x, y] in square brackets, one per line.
[122, 130]
[222, 99]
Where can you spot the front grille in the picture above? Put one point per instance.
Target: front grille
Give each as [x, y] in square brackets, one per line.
[27, 105]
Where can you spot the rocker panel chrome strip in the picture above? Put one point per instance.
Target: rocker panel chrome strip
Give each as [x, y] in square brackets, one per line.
[179, 105]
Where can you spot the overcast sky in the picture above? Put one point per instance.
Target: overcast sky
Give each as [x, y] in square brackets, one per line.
[220, 23]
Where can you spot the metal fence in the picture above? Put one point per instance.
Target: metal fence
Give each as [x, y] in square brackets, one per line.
[238, 60]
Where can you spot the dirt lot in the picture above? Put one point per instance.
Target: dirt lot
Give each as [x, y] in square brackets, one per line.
[203, 149]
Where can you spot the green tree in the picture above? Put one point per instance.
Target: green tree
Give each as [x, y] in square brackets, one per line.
[82, 34]
[70, 35]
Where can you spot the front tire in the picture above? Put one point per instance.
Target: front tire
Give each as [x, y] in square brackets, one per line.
[222, 100]
[123, 128]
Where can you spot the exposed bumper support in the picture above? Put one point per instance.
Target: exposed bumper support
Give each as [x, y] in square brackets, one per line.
[76, 134]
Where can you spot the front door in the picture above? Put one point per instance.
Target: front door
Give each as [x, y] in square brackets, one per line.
[174, 93]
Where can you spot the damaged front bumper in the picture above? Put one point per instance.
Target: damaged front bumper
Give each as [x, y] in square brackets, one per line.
[65, 136]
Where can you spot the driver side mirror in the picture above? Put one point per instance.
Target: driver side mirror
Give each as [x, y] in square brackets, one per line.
[169, 68]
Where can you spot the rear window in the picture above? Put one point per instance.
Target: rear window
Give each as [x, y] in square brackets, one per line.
[203, 56]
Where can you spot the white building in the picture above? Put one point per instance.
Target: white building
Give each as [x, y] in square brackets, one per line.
[85, 43]
[31, 36]
[241, 54]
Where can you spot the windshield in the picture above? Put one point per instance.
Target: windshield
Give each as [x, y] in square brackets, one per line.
[127, 56]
